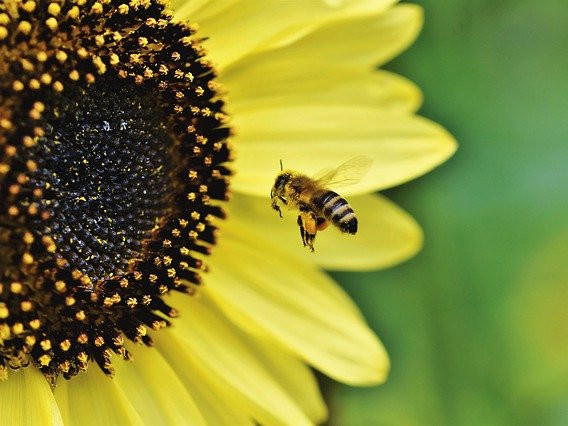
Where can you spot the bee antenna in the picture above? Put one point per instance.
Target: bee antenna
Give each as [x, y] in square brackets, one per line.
[281, 167]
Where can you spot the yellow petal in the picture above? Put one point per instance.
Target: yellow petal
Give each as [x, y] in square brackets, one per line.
[154, 389]
[26, 399]
[364, 42]
[245, 27]
[311, 19]
[387, 235]
[312, 136]
[292, 374]
[196, 11]
[219, 404]
[213, 343]
[264, 85]
[94, 399]
[301, 307]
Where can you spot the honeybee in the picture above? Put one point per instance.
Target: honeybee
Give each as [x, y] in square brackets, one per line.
[319, 206]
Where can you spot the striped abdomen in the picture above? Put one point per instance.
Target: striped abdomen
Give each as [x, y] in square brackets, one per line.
[335, 209]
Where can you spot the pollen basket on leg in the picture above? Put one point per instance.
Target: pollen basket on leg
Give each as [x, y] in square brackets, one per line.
[113, 144]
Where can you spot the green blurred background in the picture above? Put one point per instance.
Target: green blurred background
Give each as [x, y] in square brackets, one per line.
[477, 323]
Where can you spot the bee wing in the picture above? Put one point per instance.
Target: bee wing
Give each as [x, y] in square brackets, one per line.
[348, 173]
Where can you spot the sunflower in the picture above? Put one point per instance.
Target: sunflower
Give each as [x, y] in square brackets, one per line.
[117, 126]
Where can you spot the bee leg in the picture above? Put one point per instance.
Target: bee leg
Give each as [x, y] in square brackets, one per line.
[275, 206]
[302, 230]
[310, 241]
[308, 228]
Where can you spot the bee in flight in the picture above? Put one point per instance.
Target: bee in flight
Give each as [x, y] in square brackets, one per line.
[319, 206]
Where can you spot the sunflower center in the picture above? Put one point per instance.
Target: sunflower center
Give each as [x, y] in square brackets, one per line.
[103, 166]
[113, 152]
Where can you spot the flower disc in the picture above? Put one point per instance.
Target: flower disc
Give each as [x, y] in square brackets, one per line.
[112, 139]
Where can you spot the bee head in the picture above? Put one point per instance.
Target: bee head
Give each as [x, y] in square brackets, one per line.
[281, 180]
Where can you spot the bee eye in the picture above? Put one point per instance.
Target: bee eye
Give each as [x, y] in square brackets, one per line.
[280, 181]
